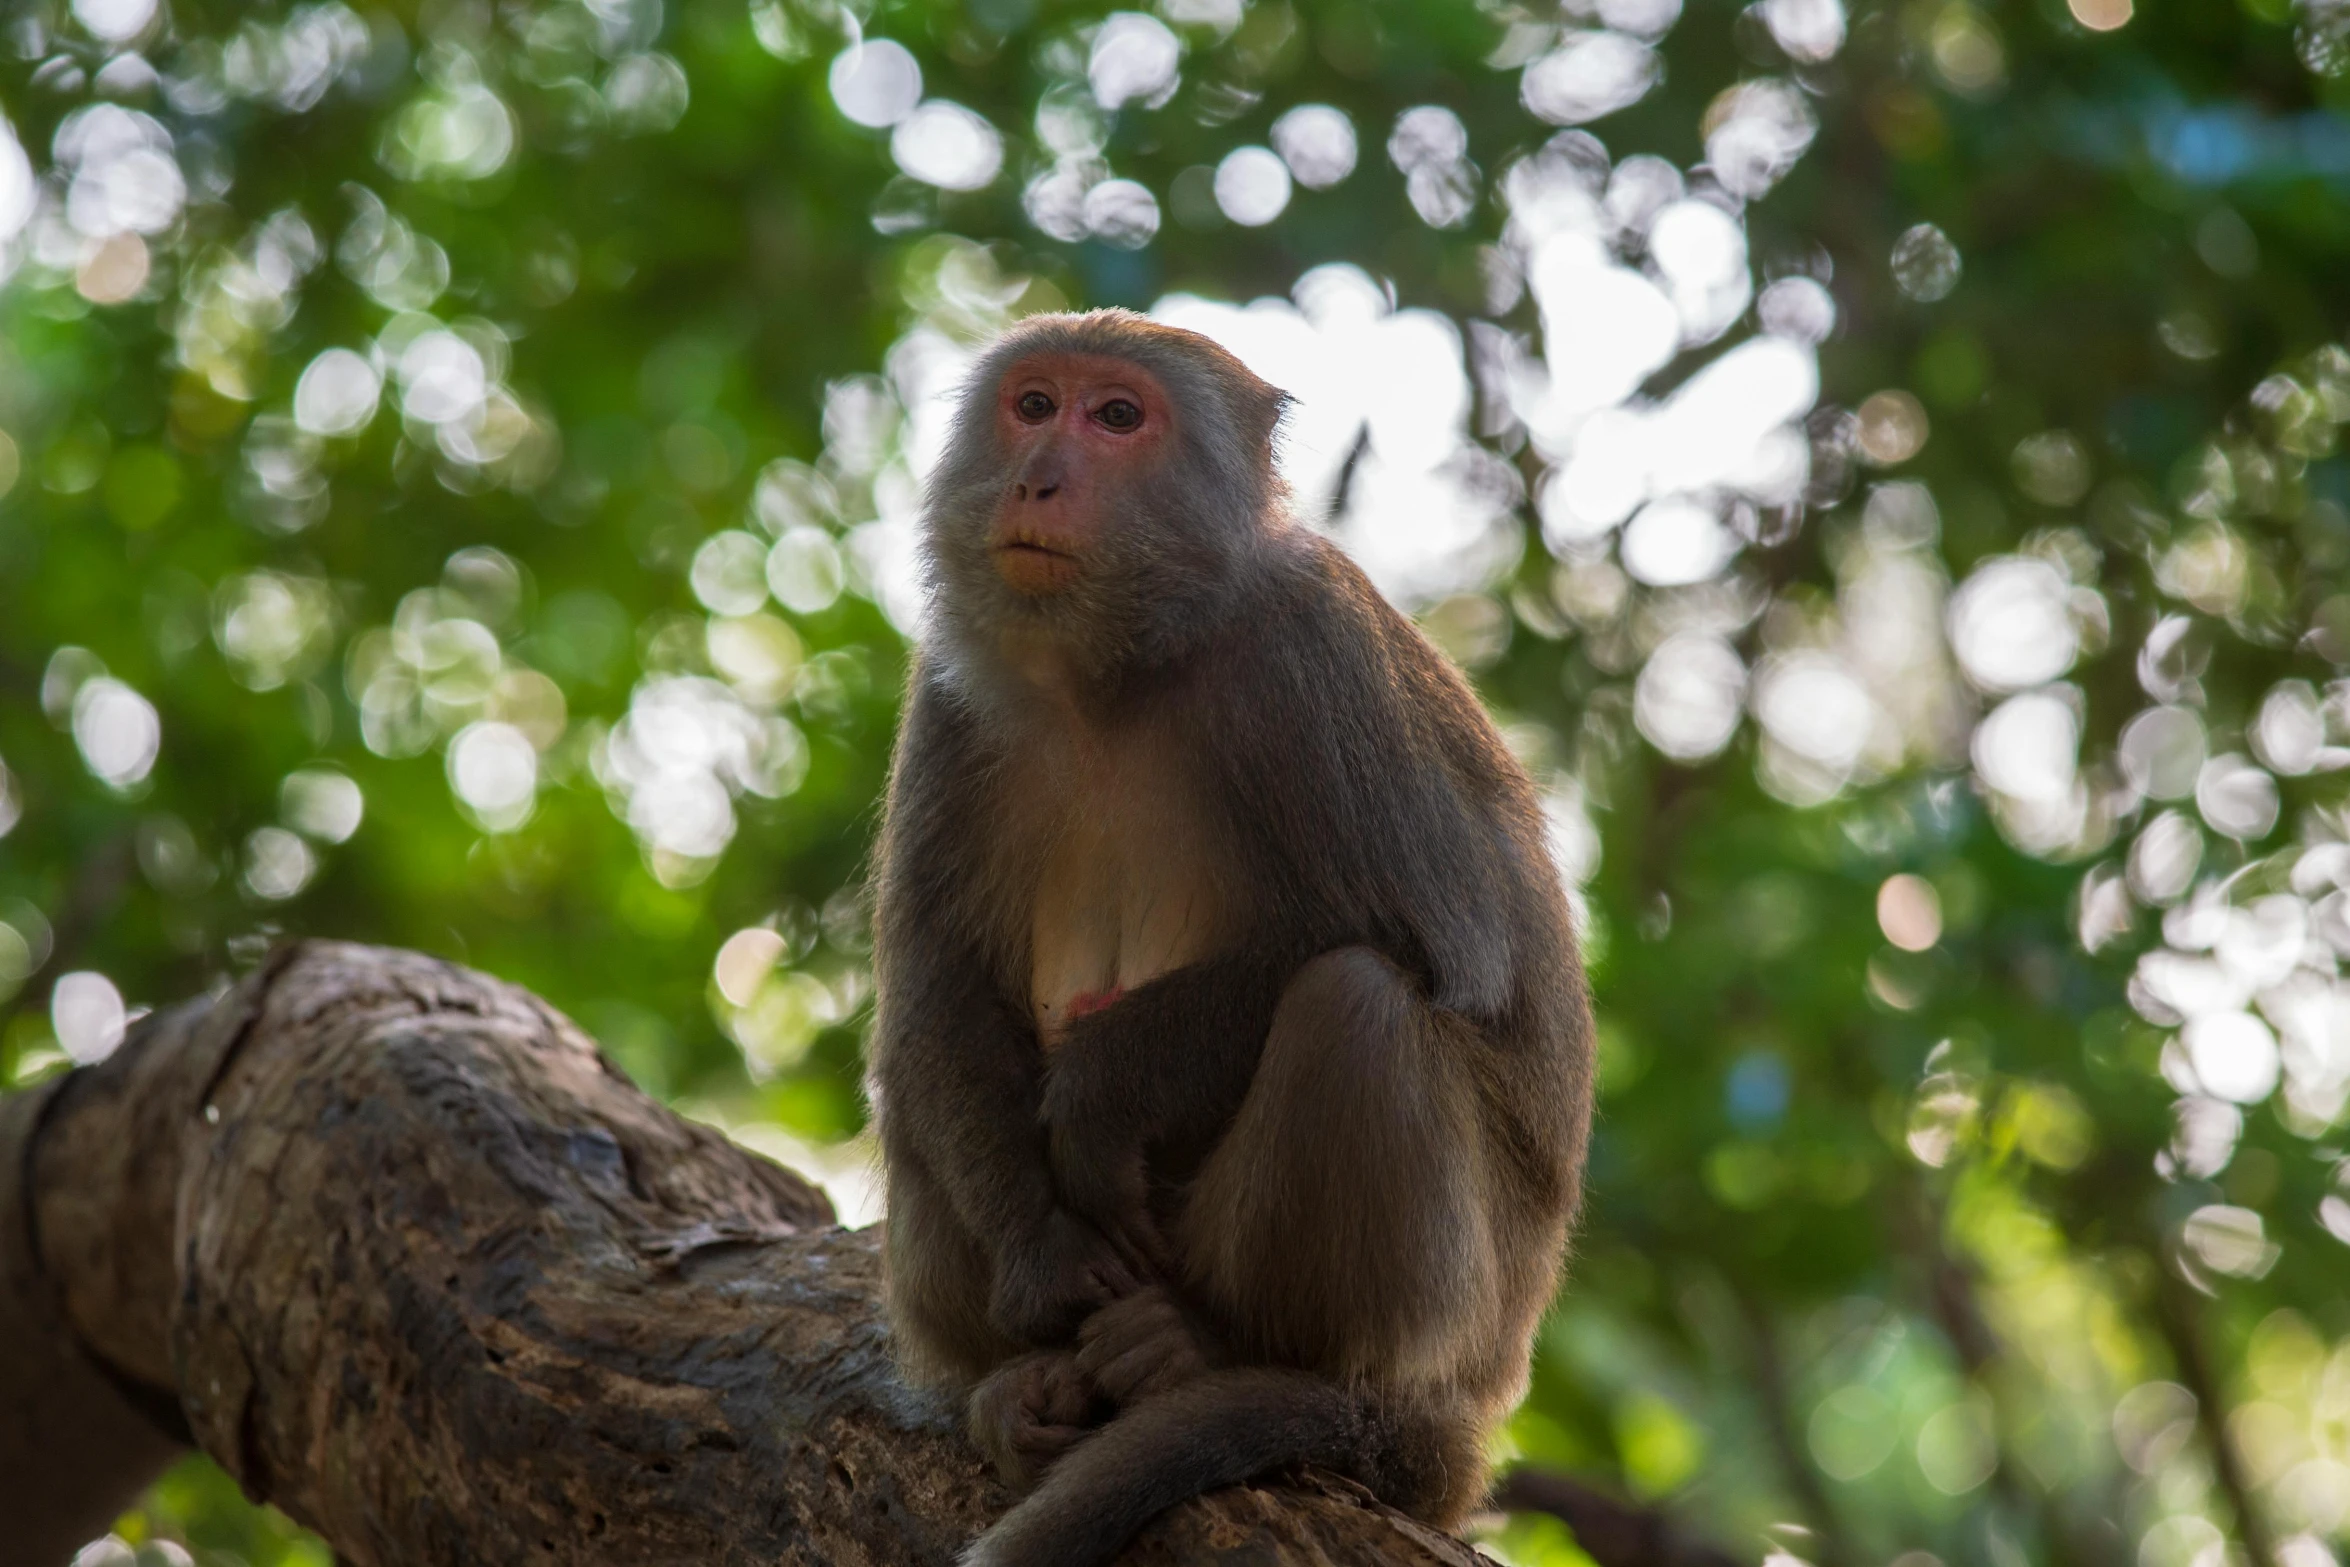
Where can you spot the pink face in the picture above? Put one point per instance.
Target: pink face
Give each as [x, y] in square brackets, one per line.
[1079, 431]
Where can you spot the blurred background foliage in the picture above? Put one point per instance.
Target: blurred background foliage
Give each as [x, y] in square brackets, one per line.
[1881, 464]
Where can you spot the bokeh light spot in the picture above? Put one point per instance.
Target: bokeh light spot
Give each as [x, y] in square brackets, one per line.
[1588, 76]
[647, 93]
[494, 770]
[1124, 213]
[1797, 308]
[1808, 30]
[2237, 798]
[729, 573]
[2231, 1240]
[2028, 748]
[1852, 1432]
[1318, 143]
[320, 804]
[1252, 186]
[1134, 58]
[1909, 912]
[2052, 467]
[87, 1013]
[278, 864]
[114, 271]
[337, 393]
[2011, 625]
[1956, 1449]
[876, 82]
[1689, 696]
[2162, 751]
[2234, 1055]
[114, 21]
[1925, 263]
[1893, 427]
[1676, 541]
[744, 963]
[947, 145]
[117, 731]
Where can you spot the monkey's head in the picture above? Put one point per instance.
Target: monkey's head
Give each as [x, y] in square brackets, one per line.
[1105, 475]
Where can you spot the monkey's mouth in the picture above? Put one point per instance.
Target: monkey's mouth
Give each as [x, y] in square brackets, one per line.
[1034, 568]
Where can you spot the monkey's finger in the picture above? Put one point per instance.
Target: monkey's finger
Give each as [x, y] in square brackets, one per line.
[1048, 1441]
[1116, 1332]
[1150, 1368]
[1140, 1239]
[1125, 1262]
[1061, 1400]
[1097, 1353]
[1113, 1361]
[1114, 1275]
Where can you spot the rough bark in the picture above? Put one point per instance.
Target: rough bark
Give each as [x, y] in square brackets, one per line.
[398, 1248]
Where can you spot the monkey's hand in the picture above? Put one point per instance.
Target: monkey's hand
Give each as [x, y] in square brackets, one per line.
[1052, 1280]
[1106, 1178]
[1143, 1345]
[1096, 1152]
[1029, 1412]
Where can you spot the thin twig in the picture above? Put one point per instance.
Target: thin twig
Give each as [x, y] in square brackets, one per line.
[2179, 1313]
[1770, 1376]
[97, 887]
[1958, 1311]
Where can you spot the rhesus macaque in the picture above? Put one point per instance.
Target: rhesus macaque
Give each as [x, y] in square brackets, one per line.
[1232, 1057]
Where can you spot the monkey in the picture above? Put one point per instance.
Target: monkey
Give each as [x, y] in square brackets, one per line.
[1231, 1053]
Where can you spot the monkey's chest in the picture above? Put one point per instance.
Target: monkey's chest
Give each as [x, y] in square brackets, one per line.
[1123, 898]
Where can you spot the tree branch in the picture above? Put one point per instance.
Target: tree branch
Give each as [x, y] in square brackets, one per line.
[394, 1245]
[1612, 1532]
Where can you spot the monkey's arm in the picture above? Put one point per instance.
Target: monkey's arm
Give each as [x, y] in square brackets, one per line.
[959, 1088]
[1356, 767]
[958, 1084]
[1160, 1072]
[956, 1071]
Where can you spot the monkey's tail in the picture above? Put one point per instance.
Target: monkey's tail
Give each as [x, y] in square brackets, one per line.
[1216, 1430]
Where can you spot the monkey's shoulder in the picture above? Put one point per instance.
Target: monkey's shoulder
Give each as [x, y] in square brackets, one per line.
[1326, 664]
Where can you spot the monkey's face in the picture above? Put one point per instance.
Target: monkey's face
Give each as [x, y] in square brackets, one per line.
[1080, 433]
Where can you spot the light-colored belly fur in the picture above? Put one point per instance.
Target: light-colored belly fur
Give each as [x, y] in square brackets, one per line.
[1128, 888]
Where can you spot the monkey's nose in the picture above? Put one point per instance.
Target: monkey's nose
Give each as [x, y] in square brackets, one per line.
[1037, 492]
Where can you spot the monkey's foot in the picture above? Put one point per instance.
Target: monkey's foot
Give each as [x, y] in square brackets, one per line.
[1141, 1345]
[1029, 1412]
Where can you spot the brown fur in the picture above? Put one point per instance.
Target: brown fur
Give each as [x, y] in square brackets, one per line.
[1301, 1192]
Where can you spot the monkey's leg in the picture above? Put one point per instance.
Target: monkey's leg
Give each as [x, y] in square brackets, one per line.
[1342, 1223]
[1337, 1241]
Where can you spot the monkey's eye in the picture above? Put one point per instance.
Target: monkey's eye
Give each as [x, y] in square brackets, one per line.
[1035, 407]
[1120, 415]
